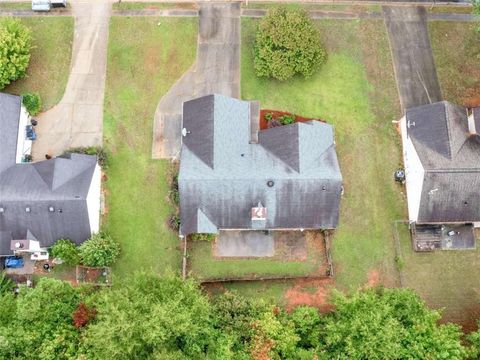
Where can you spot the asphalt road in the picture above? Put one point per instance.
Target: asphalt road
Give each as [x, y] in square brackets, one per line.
[413, 61]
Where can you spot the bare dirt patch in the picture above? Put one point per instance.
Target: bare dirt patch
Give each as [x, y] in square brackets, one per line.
[373, 278]
[314, 293]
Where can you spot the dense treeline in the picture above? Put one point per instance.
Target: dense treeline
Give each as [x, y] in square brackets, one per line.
[148, 317]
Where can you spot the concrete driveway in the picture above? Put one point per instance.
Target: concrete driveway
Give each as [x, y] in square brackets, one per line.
[78, 119]
[216, 70]
[415, 71]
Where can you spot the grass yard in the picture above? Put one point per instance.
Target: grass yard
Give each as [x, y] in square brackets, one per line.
[456, 48]
[355, 91]
[144, 61]
[445, 279]
[204, 265]
[6, 5]
[49, 66]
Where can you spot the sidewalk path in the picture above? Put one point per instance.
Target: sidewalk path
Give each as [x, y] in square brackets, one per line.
[413, 61]
[78, 119]
[216, 70]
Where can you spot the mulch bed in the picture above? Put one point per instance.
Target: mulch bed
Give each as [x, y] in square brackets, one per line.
[276, 114]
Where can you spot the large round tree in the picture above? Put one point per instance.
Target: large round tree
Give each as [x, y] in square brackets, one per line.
[287, 43]
[15, 45]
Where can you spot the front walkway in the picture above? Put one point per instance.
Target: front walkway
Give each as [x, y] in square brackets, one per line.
[78, 119]
[216, 70]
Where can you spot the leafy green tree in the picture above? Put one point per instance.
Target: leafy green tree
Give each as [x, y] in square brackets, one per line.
[15, 45]
[66, 250]
[32, 103]
[287, 43]
[149, 317]
[388, 324]
[40, 323]
[100, 250]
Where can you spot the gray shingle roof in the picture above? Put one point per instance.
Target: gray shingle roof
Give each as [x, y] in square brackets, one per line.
[224, 176]
[451, 159]
[10, 106]
[61, 184]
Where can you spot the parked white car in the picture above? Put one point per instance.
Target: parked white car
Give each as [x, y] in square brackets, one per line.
[46, 5]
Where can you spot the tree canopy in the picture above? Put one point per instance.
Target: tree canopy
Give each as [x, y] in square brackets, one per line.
[287, 43]
[15, 45]
[151, 317]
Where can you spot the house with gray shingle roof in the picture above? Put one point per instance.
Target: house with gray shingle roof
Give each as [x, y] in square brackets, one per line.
[47, 200]
[441, 153]
[233, 176]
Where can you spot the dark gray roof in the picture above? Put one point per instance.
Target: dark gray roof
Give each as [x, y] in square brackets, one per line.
[451, 160]
[222, 176]
[10, 106]
[61, 184]
[5, 239]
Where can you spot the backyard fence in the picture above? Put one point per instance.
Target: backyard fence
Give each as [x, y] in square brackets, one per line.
[98, 276]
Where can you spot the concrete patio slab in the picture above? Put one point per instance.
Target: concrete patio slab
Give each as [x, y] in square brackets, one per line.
[244, 244]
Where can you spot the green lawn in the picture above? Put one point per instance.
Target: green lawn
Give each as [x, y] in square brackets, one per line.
[204, 265]
[355, 91]
[6, 5]
[445, 279]
[456, 48]
[144, 61]
[49, 66]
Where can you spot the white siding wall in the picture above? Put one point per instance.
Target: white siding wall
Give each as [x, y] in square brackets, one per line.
[24, 146]
[414, 173]
[93, 200]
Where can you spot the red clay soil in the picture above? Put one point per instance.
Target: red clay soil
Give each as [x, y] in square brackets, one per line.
[301, 295]
[472, 102]
[276, 114]
[373, 278]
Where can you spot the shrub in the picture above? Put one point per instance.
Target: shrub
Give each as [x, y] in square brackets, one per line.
[287, 43]
[202, 237]
[268, 116]
[82, 315]
[287, 119]
[174, 222]
[66, 250]
[174, 195]
[101, 153]
[99, 250]
[16, 42]
[6, 284]
[32, 103]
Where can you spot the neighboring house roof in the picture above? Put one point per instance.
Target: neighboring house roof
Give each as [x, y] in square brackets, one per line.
[223, 175]
[450, 157]
[48, 199]
[10, 106]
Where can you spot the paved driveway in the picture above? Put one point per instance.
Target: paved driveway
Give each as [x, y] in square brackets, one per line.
[216, 70]
[415, 72]
[78, 119]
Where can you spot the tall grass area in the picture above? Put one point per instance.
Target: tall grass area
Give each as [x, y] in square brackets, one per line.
[50, 59]
[355, 91]
[145, 58]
